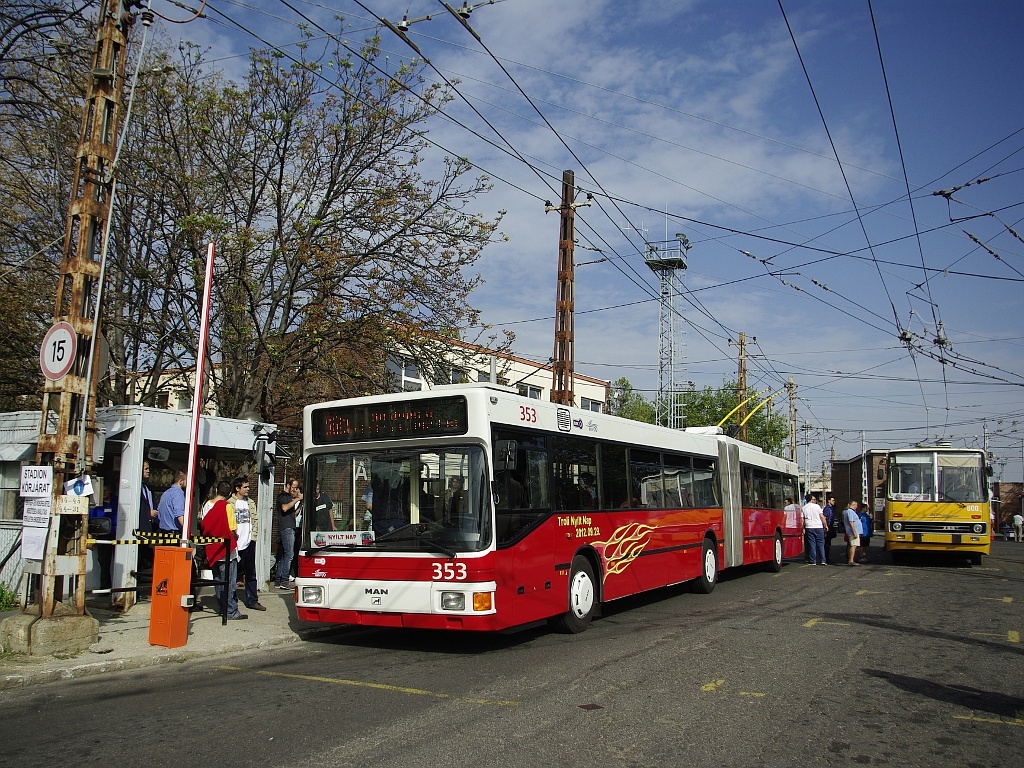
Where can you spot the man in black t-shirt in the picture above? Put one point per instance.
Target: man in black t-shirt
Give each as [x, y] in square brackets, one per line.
[289, 502]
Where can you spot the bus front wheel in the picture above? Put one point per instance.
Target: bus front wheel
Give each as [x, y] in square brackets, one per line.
[705, 583]
[582, 598]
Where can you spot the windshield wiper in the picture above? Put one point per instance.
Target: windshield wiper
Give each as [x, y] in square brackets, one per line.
[437, 545]
[334, 548]
[417, 531]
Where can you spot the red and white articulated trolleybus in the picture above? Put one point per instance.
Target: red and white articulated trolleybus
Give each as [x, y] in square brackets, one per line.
[471, 507]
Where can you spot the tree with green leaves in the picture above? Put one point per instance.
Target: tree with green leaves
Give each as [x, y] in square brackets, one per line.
[626, 402]
[705, 407]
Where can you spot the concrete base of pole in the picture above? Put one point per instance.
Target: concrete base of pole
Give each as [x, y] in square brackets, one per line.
[29, 634]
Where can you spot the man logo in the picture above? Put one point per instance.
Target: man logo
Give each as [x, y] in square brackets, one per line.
[376, 601]
[374, 591]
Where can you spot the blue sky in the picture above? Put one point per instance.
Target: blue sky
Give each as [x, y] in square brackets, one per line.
[698, 117]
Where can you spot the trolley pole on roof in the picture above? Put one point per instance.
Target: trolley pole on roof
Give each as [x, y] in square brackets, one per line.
[563, 374]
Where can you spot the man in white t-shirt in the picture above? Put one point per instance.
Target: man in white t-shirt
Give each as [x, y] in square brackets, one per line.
[246, 545]
[814, 527]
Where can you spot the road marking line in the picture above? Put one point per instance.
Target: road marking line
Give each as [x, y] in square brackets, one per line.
[378, 686]
[714, 685]
[999, 599]
[1013, 636]
[1018, 722]
[869, 592]
[815, 622]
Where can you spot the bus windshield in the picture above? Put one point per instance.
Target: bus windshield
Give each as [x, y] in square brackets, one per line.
[400, 499]
[937, 476]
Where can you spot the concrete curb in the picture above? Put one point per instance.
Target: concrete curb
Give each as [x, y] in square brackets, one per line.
[48, 673]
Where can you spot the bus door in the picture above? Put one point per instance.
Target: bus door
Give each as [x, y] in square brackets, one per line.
[732, 504]
[526, 553]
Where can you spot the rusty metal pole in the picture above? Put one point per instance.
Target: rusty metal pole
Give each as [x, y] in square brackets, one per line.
[69, 403]
[563, 375]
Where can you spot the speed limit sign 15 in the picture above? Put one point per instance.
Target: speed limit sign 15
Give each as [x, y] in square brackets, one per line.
[57, 355]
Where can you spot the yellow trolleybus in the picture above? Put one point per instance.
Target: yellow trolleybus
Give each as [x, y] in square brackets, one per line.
[937, 500]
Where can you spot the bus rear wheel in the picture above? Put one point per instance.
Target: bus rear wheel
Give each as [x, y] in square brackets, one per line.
[582, 598]
[775, 564]
[705, 583]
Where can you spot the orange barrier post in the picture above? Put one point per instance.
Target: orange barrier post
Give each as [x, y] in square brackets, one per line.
[171, 597]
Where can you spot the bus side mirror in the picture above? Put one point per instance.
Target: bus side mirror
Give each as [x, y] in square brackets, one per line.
[988, 470]
[881, 473]
[505, 454]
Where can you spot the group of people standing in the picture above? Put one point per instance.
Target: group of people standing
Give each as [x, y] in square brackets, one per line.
[227, 515]
[821, 526]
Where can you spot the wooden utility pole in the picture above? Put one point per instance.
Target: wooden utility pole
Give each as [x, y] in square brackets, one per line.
[791, 387]
[67, 427]
[741, 382]
[563, 369]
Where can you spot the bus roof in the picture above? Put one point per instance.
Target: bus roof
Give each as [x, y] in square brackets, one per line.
[503, 405]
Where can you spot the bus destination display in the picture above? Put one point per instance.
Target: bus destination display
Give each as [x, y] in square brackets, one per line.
[382, 421]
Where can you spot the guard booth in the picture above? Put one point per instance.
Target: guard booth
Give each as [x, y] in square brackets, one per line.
[127, 436]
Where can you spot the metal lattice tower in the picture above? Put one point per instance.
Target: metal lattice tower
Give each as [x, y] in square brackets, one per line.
[668, 262]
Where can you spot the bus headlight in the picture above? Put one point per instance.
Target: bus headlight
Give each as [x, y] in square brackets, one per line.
[453, 601]
[312, 595]
[897, 526]
[979, 528]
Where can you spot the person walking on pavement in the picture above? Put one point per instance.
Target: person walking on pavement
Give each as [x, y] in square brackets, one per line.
[814, 527]
[851, 522]
[1018, 524]
[246, 545]
[288, 504]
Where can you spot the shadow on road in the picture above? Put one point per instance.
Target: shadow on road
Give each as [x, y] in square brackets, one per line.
[1009, 707]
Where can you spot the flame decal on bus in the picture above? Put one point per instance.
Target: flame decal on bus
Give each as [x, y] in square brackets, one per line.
[624, 546]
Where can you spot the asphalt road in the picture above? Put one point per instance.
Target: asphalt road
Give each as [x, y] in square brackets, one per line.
[917, 665]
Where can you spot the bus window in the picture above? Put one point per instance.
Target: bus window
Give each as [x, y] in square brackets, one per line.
[763, 486]
[778, 492]
[574, 463]
[705, 483]
[645, 476]
[961, 478]
[678, 483]
[614, 483]
[747, 486]
[521, 490]
[912, 476]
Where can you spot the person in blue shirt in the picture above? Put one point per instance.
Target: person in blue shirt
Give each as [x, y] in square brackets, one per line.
[851, 523]
[171, 510]
[830, 530]
[867, 527]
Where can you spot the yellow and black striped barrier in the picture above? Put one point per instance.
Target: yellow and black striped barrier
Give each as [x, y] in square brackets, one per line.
[159, 538]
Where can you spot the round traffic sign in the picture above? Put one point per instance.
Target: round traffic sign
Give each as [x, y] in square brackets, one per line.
[57, 355]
